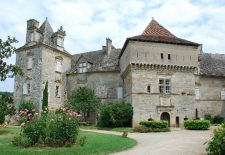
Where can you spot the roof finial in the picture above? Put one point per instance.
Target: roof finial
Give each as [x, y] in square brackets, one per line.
[152, 18]
[46, 18]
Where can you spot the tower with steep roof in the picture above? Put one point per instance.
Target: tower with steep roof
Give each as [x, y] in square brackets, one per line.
[42, 58]
[158, 70]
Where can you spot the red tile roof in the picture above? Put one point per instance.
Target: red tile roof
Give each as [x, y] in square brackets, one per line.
[155, 32]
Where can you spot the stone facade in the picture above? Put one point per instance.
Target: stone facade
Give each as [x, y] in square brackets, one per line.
[161, 75]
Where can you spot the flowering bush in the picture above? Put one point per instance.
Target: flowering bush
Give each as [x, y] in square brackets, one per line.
[53, 129]
[25, 116]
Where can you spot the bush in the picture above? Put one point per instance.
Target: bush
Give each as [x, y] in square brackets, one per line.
[83, 141]
[208, 117]
[144, 129]
[20, 140]
[155, 124]
[218, 119]
[116, 115]
[197, 124]
[217, 144]
[53, 129]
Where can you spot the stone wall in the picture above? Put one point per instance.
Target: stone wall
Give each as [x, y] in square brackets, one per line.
[210, 95]
[33, 76]
[104, 84]
[53, 77]
[180, 103]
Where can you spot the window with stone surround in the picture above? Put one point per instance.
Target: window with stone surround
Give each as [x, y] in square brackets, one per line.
[149, 88]
[31, 36]
[161, 55]
[26, 88]
[82, 67]
[29, 62]
[169, 57]
[197, 94]
[57, 91]
[58, 65]
[164, 86]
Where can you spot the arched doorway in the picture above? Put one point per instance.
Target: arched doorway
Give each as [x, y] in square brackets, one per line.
[166, 117]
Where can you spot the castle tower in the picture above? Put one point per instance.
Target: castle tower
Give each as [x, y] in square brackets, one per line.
[42, 58]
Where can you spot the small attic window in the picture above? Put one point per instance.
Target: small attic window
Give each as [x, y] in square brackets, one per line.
[60, 41]
[58, 65]
[82, 67]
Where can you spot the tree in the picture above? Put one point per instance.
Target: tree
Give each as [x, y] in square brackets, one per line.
[45, 97]
[84, 100]
[6, 107]
[6, 50]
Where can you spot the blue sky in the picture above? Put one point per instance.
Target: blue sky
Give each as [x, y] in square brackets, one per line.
[89, 22]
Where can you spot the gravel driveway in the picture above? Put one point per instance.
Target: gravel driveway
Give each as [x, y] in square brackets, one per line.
[176, 142]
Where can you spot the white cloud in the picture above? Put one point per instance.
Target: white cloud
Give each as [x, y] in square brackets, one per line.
[89, 22]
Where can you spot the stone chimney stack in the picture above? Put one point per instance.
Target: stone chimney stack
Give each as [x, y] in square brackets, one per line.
[108, 46]
[32, 26]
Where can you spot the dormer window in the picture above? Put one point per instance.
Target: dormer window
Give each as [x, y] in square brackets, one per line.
[58, 66]
[60, 41]
[82, 67]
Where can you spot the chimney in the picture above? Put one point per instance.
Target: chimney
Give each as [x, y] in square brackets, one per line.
[108, 46]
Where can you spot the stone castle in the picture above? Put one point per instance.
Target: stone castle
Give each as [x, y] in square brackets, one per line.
[161, 75]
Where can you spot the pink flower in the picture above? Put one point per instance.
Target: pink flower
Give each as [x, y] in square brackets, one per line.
[63, 109]
[22, 124]
[29, 115]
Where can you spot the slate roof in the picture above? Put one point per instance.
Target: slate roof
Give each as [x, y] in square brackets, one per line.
[46, 38]
[99, 60]
[155, 32]
[212, 64]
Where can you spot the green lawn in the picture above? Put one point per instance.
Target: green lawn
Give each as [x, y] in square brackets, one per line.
[96, 144]
[119, 129]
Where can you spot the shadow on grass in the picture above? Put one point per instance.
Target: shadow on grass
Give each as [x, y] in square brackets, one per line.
[3, 132]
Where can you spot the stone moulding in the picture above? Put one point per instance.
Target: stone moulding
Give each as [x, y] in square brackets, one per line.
[158, 67]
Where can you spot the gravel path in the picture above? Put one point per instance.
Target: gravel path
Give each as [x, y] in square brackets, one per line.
[176, 142]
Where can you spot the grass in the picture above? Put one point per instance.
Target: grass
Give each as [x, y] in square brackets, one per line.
[97, 144]
[120, 129]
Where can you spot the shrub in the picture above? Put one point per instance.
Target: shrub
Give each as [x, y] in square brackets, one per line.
[217, 144]
[208, 117]
[197, 124]
[144, 129]
[20, 140]
[53, 129]
[155, 124]
[83, 141]
[218, 119]
[116, 115]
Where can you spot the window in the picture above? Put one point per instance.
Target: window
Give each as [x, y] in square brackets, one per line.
[82, 67]
[31, 36]
[60, 41]
[29, 63]
[222, 94]
[26, 88]
[58, 66]
[169, 57]
[161, 55]
[164, 86]
[149, 88]
[119, 92]
[197, 94]
[56, 91]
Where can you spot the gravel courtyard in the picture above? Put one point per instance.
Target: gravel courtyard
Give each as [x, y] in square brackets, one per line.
[176, 142]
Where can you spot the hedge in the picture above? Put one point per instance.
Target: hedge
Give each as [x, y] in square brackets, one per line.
[155, 124]
[144, 129]
[116, 115]
[197, 124]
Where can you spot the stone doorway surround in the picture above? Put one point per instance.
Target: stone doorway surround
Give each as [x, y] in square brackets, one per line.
[165, 116]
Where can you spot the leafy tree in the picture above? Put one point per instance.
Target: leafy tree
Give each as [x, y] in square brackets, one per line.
[45, 97]
[6, 107]
[84, 100]
[6, 50]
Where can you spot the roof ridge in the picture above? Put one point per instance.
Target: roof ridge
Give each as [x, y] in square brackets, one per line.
[155, 29]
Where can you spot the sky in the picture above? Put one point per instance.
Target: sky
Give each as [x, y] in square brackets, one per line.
[89, 22]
